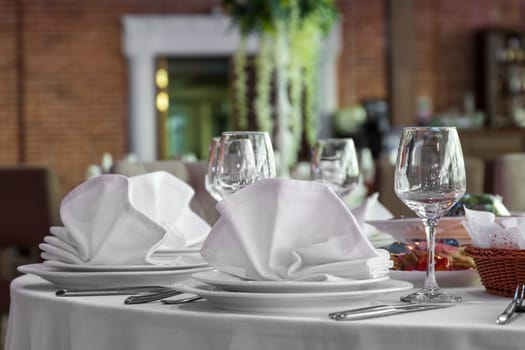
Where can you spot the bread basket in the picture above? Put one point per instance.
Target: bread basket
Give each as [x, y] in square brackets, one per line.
[500, 270]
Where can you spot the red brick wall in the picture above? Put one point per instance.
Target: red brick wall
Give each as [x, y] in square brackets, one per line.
[74, 101]
[75, 87]
[445, 44]
[362, 63]
[8, 84]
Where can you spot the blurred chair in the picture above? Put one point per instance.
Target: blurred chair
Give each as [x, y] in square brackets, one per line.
[474, 169]
[192, 173]
[509, 180]
[29, 205]
[384, 184]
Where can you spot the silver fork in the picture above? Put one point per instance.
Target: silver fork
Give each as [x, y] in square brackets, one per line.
[146, 298]
[515, 305]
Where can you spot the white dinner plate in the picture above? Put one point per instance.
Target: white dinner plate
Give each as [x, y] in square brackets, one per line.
[166, 262]
[109, 279]
[412, 228]
[233, 283]
[162, 250]
[404, 229]
[447, 279]
[291, 302]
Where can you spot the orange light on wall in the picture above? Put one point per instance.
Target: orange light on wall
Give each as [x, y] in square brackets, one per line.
[161, 78]
[162, 101]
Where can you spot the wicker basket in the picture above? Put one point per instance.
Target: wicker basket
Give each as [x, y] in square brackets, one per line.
[501, 270]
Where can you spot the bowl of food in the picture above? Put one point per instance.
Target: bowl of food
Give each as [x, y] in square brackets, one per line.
[454, 268]
[410, 229]
[407, 229]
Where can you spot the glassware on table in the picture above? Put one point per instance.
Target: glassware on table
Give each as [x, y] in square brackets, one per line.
[335, 163]
[244, 157]
[262, 149]
[209, 179]
[430, 179]
[236, 166]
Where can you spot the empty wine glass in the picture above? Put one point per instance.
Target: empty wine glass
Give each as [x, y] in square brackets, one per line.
[236, 166]
[430, 179]
[334, 162]
[256, 144]
[210, 177]
[262, 149]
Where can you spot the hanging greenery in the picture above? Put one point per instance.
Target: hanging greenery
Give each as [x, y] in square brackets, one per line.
[291, 33]
[240, 85]
[264, 67]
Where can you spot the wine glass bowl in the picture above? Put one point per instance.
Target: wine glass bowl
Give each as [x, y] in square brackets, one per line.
[334, 163]
[236, 166]
[210, 177]
[262, 149]
[243, 158]
[430, 179]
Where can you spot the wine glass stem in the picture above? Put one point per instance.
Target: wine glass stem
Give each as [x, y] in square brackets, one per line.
[430, 232]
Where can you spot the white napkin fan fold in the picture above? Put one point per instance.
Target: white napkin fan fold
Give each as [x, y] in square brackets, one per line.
[281, 229]
[115, 220]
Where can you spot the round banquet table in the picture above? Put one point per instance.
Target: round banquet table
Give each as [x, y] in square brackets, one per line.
[40, 320]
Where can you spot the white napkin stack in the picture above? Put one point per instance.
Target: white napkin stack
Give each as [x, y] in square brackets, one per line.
[487, 231]
[116, 220]
[281, 229]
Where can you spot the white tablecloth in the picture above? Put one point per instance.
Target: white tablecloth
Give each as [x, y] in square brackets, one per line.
[40, 320]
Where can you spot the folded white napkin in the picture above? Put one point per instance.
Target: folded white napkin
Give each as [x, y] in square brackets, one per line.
[281, 229]
[115, 220]
[487, 231]
[166, 200]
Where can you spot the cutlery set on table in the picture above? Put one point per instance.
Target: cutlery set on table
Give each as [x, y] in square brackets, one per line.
[516, 305]
[138, 295]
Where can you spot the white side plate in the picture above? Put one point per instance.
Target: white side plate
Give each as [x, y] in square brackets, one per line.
[73, 279]
[448, 279]
[166, 262]
[412, 228]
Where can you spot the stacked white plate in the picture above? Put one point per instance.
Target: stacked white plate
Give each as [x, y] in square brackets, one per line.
[233, 293]
[173, 267]
[406, 229]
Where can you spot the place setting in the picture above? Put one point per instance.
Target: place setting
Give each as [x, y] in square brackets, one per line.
[279, 244]
[289, 245]
[123, 232]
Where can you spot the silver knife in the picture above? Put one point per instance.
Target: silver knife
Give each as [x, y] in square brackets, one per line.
[370, 308]
[383, 310]
[66, 292]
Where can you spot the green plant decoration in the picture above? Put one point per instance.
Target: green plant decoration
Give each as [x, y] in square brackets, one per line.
[264, 67]
[240, 84]
[286, 67]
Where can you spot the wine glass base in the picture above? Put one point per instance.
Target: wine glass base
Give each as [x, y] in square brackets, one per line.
[429, 295]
